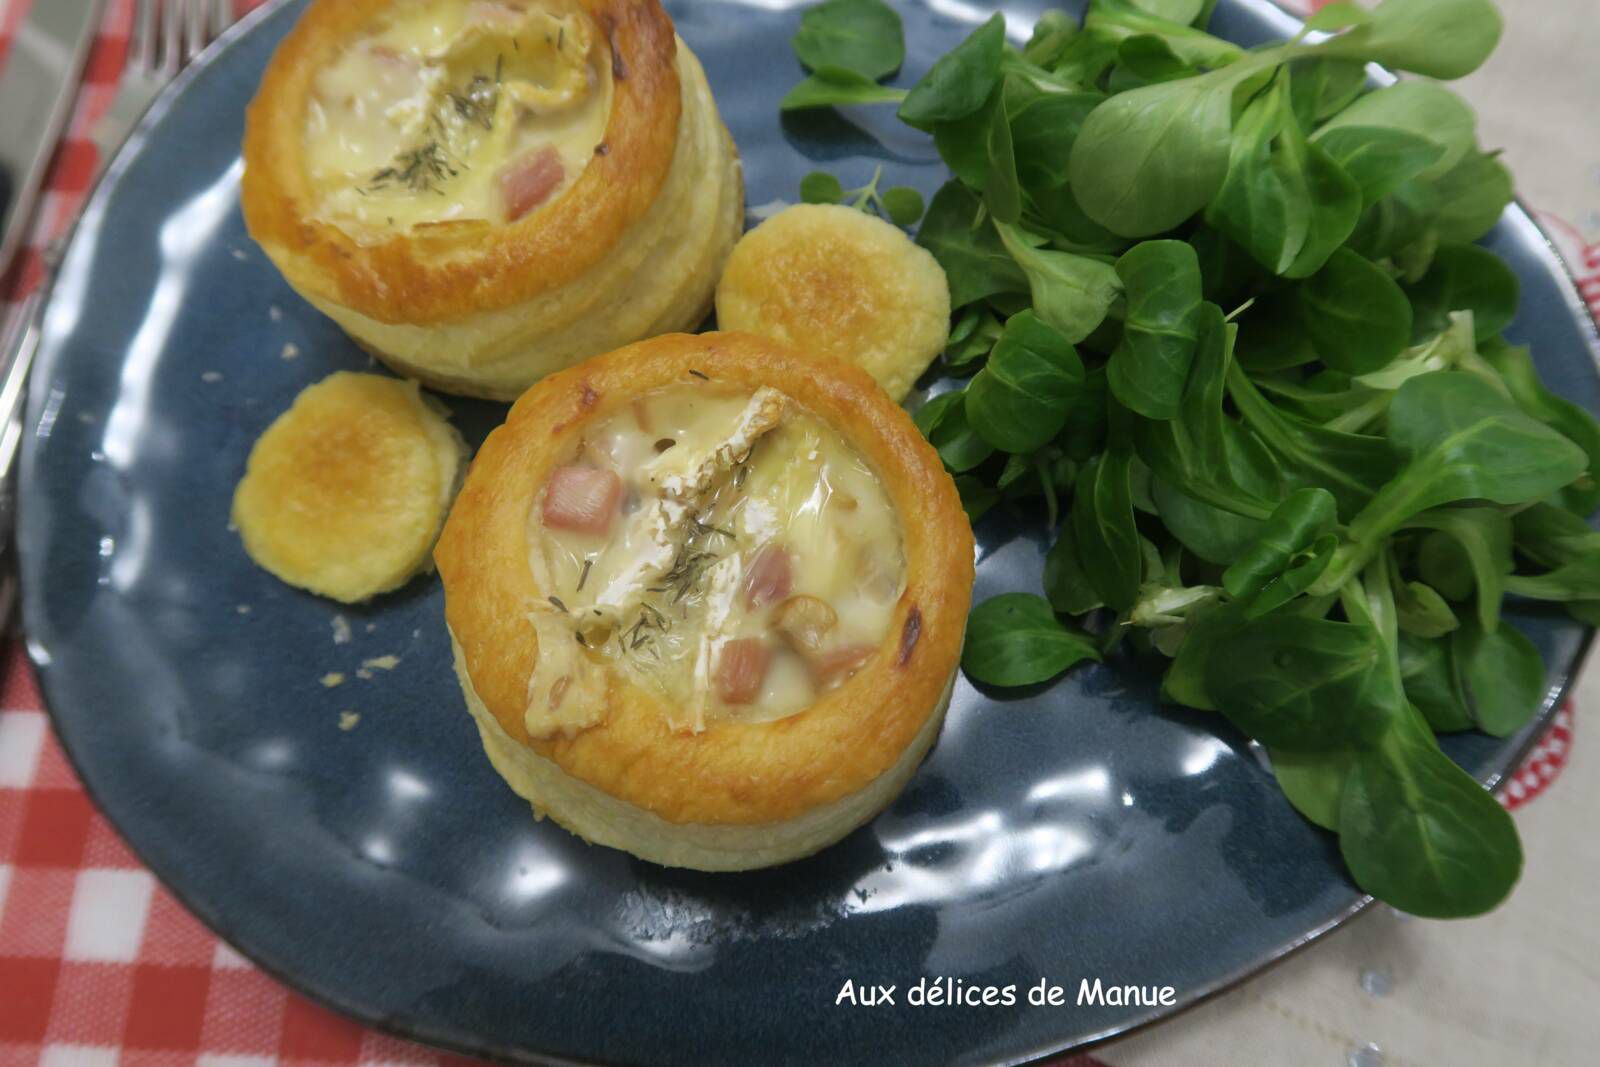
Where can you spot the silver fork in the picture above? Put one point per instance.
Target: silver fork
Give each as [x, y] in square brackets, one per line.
[166, 36]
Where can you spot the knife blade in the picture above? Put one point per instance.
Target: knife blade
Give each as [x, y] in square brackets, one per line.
[38, 85]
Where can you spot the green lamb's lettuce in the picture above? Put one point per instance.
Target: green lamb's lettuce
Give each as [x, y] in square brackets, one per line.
[864, 36]
[1017, 639]
[1225, 332]
[961, 81]
[1018, 401]
[1105, 532]
[1284, 199]
[1353, 314]
[830, 86]
[1149, 369]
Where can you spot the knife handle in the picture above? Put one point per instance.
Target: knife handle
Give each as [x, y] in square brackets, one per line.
[39, 83]
[16, 356]
[20, 344]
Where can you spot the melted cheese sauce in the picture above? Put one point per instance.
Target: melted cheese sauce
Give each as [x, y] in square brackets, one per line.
[426, 119]
[713, 479]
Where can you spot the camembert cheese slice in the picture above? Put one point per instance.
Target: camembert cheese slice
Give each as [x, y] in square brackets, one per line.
[720, 546]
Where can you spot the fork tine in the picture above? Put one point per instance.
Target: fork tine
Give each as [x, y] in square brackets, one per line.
[194, 24]
[221, 16]
[142, 46]
[171, 57]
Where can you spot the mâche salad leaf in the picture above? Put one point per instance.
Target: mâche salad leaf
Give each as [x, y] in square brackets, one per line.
[864, 36]
[1224, 331]
[1017, 639]
[1149, 369]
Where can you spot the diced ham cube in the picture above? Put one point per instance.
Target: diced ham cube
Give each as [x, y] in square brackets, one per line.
[582, 499]
[837, 664]
[741, 669]
[769, 577]
[528, 181]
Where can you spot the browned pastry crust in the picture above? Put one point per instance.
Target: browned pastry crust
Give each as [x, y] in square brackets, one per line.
[345, 492]
[732, 773]
[453, 269]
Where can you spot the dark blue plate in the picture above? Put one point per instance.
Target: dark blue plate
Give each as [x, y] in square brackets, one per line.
[1083, 830]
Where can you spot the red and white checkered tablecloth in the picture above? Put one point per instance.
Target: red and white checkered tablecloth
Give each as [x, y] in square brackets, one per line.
[99, 965]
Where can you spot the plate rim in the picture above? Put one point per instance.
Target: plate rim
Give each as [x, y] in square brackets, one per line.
[408, 1028]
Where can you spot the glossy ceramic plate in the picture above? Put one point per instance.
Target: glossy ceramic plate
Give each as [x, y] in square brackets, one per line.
[1076, 831]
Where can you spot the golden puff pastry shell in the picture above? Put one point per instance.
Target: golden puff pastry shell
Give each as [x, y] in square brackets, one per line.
[839, 283]
[737, 794]
[631, 247]
[345, 493]
[449, 271]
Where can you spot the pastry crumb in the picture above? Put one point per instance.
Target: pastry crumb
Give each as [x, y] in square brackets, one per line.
[333, 678]
[275, 313]
[290, 351]
[211, 377]
[364, 674]
[371, 626]
[238, 253]
[348, 720]
[765, 211]
[341, 630]
[242, 609]
[382, 663]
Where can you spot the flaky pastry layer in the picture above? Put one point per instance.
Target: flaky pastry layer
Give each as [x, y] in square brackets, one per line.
[602, 819]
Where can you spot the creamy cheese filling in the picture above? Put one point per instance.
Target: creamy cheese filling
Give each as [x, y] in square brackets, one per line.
[723, 548]
[457, 113]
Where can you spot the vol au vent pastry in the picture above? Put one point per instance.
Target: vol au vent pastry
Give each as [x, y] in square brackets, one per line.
[707, 597]
[481, 192]
[838, 282]
[345, 492]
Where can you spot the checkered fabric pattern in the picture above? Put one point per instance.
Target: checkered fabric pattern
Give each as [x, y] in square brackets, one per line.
[101, 966]
[1543, 763]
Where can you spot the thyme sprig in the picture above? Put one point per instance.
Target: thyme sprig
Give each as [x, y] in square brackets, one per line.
[425, 167]
[421, 169]
[694, 557]
[477, 103]
[642, 635]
